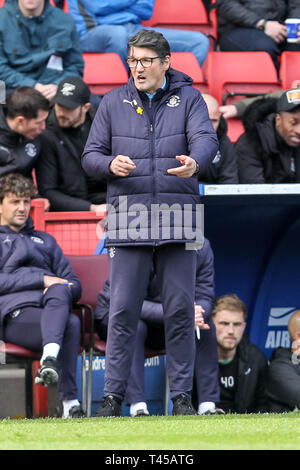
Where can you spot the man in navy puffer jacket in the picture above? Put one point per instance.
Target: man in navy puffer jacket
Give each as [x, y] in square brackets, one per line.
[148, 139]
[37, 287]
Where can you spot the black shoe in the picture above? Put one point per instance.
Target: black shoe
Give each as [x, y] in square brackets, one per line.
[76, 412]
[214, 411]
[47, 373]
[182, 405]
[110, 407]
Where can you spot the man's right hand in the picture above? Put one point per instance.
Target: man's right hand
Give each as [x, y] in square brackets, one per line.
[122, 165]
[228, 111]
[49, 91]
[50, 280]
[276, 30]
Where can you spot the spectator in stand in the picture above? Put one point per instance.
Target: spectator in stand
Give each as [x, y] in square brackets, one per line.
[247, 25]
[59, 174]
[150, 333]
[283, 383]
[242, 365]
[39, 46]
[107, 26]
[223, 168]
[37, 289]
[237, 110]
[269, 149]
[22, 120]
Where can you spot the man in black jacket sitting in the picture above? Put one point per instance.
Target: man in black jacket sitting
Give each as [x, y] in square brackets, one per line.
[223, 168]
[242, 365]
[60, 177]
[269, 149]
[283, 383]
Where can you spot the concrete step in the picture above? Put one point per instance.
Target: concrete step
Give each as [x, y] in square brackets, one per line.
[12, 392]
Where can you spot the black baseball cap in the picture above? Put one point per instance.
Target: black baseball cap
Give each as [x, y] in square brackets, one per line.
[72, 92]
[289, 100]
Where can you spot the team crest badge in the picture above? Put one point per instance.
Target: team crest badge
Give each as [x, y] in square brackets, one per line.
[173, 101]
[37, 240]
[30, 150]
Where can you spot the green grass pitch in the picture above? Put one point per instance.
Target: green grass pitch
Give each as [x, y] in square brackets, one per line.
[229, 432]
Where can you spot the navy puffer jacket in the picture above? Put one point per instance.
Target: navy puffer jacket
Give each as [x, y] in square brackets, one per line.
[152, 134]
[25, 258]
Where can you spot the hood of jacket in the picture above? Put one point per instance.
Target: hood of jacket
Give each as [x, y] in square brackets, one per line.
[7, 135]
[222, 128]
[259, 123]
[28, 227]
[175, 79]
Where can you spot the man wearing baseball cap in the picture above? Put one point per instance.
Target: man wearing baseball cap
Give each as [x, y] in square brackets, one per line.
[59, 172]
[269, 150]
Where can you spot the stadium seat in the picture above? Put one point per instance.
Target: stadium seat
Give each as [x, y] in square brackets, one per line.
[190, 14]
[103, 71]
[13, 354]
[186, 62]
[84, 266]
[77, 233]
[233, 75]
[235, 129]
[289, 68]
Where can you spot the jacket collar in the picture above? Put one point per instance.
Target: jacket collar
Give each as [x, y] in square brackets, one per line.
[28, 228]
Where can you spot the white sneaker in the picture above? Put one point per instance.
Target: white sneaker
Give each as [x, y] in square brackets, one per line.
[141, 412]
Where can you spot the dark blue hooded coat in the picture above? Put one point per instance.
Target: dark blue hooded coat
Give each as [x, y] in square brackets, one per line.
[152, 134]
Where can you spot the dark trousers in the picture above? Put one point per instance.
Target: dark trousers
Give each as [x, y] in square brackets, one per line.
[130, 269]
[206, 378]
[206, 371]
[251, 39]
[52, 323]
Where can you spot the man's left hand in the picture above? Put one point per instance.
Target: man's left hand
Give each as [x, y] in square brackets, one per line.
[188, 168]
[199, 320]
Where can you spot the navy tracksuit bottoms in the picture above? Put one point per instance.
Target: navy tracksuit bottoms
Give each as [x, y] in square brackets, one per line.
[34, 327]
[130, 269]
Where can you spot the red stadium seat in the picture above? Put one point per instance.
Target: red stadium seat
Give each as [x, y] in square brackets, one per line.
[289, 68]
[190, 14]
[235, 129]
[84, 266]
[232, 75]
[103, 71]
[186, 62]
[77, 233]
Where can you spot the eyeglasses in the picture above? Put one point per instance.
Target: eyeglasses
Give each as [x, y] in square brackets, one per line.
[145, 61]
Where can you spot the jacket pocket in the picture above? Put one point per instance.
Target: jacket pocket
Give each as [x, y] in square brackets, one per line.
[59, 45]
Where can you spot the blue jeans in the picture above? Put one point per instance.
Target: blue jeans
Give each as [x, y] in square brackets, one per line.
[114, 38]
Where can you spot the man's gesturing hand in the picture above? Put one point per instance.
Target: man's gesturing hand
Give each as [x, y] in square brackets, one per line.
[122, 165]
[188, 168]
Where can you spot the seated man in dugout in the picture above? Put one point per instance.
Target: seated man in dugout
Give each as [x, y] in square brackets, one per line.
[37, 288]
